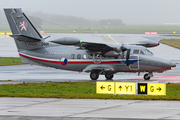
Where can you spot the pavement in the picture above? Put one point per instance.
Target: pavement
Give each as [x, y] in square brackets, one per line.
[27, 73]
[89, 109]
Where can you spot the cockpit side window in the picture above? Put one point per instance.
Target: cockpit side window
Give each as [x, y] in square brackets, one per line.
[141, 52]
[136, 52]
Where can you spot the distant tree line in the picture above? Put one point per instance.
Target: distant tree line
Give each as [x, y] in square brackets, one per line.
[40, 18]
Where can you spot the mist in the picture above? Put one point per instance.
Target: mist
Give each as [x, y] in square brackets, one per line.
[153, 12]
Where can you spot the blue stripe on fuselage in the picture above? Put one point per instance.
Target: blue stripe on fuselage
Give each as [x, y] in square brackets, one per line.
[124, 62]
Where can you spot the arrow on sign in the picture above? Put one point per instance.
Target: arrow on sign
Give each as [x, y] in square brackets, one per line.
[102, 87]
[120, 87]
[159, 89]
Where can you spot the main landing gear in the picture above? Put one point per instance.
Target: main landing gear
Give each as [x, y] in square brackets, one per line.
[94, 75]
[109, 76]
[148, 76]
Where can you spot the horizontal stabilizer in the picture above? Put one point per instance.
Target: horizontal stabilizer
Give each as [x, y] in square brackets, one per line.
[25, 38]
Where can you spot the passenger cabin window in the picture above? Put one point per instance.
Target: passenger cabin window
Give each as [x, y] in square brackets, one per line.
[136, 52]
[79, 56]
[90, 56]
[84, 57]
[73, 56]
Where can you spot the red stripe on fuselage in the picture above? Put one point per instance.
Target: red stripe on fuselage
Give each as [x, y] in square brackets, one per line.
[39, 59]
[71, 62]
[80, 62]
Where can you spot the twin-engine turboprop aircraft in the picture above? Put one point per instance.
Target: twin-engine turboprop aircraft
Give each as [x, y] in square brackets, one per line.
[73, 54]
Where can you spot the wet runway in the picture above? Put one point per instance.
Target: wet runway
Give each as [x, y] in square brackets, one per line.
[28, 73]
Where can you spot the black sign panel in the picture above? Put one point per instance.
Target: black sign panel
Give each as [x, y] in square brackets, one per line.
[142, 88]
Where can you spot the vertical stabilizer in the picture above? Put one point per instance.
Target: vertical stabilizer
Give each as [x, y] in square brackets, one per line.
[24, 33]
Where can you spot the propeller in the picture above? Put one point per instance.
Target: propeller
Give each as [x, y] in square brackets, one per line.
[123, 49]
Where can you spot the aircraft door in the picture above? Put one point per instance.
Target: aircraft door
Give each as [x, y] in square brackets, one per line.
[134, 62]
[97, 58]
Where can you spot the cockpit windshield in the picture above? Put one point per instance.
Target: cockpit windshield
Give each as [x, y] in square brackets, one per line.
[146, 52]
[142, 52]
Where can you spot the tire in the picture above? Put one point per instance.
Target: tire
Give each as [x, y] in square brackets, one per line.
[146, 77]
[109, 76]
[94, 75]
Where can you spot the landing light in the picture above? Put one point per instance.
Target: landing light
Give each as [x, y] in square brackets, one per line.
[172, 68]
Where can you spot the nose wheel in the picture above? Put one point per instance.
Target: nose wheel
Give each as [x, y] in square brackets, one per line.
[148, 76]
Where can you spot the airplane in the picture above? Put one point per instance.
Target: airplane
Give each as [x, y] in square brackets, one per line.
[69, 53]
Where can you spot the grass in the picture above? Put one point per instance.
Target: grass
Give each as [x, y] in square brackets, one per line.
[132, 29]
[10, 61]
[171, 42]
[77, 90]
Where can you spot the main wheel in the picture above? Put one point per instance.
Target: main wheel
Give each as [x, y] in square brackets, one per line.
[109, 76]
[94, 75]
[146, 77]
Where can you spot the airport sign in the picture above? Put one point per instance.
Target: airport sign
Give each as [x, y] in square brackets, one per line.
[131, 88]
[156, 89]
[125, 88]
[142, 88]
[105, 87]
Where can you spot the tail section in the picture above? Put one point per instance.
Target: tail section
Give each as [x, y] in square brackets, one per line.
[24, 33]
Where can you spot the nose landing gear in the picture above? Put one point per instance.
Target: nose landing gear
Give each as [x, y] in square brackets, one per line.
[148, 76]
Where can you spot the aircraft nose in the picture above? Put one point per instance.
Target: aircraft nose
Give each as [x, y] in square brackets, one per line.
[169, 65]
[172, 65]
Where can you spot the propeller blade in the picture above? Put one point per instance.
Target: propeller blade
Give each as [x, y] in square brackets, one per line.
[123, 48]
[127, 57]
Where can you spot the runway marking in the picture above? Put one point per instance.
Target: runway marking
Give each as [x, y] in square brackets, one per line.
[112, 38]
[162, 78]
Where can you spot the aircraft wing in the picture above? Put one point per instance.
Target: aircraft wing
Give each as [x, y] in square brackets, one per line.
[97, 46]
[99, 67]
[92, 46]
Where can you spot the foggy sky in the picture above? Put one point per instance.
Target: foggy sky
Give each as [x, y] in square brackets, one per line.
[130, 11]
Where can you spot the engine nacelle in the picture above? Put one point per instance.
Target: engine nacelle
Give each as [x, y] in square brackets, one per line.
[147, 43]
[67, 41]
[111, 54]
